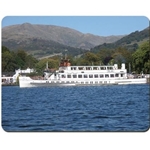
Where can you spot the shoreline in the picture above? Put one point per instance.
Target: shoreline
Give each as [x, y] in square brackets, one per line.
[10, 84]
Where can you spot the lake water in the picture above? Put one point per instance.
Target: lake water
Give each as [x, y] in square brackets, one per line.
[82, 108]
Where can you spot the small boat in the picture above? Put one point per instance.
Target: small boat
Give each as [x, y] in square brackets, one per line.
[68, 75]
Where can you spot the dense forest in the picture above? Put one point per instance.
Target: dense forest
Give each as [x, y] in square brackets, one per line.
[138, 60]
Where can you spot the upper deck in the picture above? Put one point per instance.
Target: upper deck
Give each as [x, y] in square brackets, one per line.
[65, 66]
[92, 68]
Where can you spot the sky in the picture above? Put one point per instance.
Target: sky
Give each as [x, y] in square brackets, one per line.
[97, 25]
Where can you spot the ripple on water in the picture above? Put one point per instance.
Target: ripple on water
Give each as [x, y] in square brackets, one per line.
[95, 108]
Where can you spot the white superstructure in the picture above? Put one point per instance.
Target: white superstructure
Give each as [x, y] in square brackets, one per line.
[19, 71]
[13, 79]
[68, 75]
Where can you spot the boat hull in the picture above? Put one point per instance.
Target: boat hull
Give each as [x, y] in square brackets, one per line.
[28, 82]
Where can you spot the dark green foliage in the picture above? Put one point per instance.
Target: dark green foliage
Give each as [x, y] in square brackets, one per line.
[130, 41]
[52, 64]
[15, 60]
[139, 60]
[8, 60]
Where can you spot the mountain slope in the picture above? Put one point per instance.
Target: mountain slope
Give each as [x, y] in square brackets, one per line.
[62, 35]
[131, 41]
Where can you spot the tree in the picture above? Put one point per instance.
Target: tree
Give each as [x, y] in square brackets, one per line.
[14, 60]
[105, 56]
[122, 55]
[5, 49]
[141, 58]
[24, 60]
[8, 61]
[21, 58]
[30, 61]
[41, 65]
[91, 58]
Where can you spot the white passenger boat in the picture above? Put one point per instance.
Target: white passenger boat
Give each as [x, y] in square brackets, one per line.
[68, 75]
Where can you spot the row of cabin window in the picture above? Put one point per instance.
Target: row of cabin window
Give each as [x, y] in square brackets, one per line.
[91, 76]
[91, 68]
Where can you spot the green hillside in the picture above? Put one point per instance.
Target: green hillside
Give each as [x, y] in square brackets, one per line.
[131, 41]
[44, 40]
[40, 48]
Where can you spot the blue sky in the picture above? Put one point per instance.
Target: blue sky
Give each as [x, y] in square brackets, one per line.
[98, 25]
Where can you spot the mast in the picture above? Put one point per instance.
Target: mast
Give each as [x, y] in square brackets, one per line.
[47, 65]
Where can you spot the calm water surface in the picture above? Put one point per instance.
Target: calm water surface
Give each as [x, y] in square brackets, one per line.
[85, 108]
